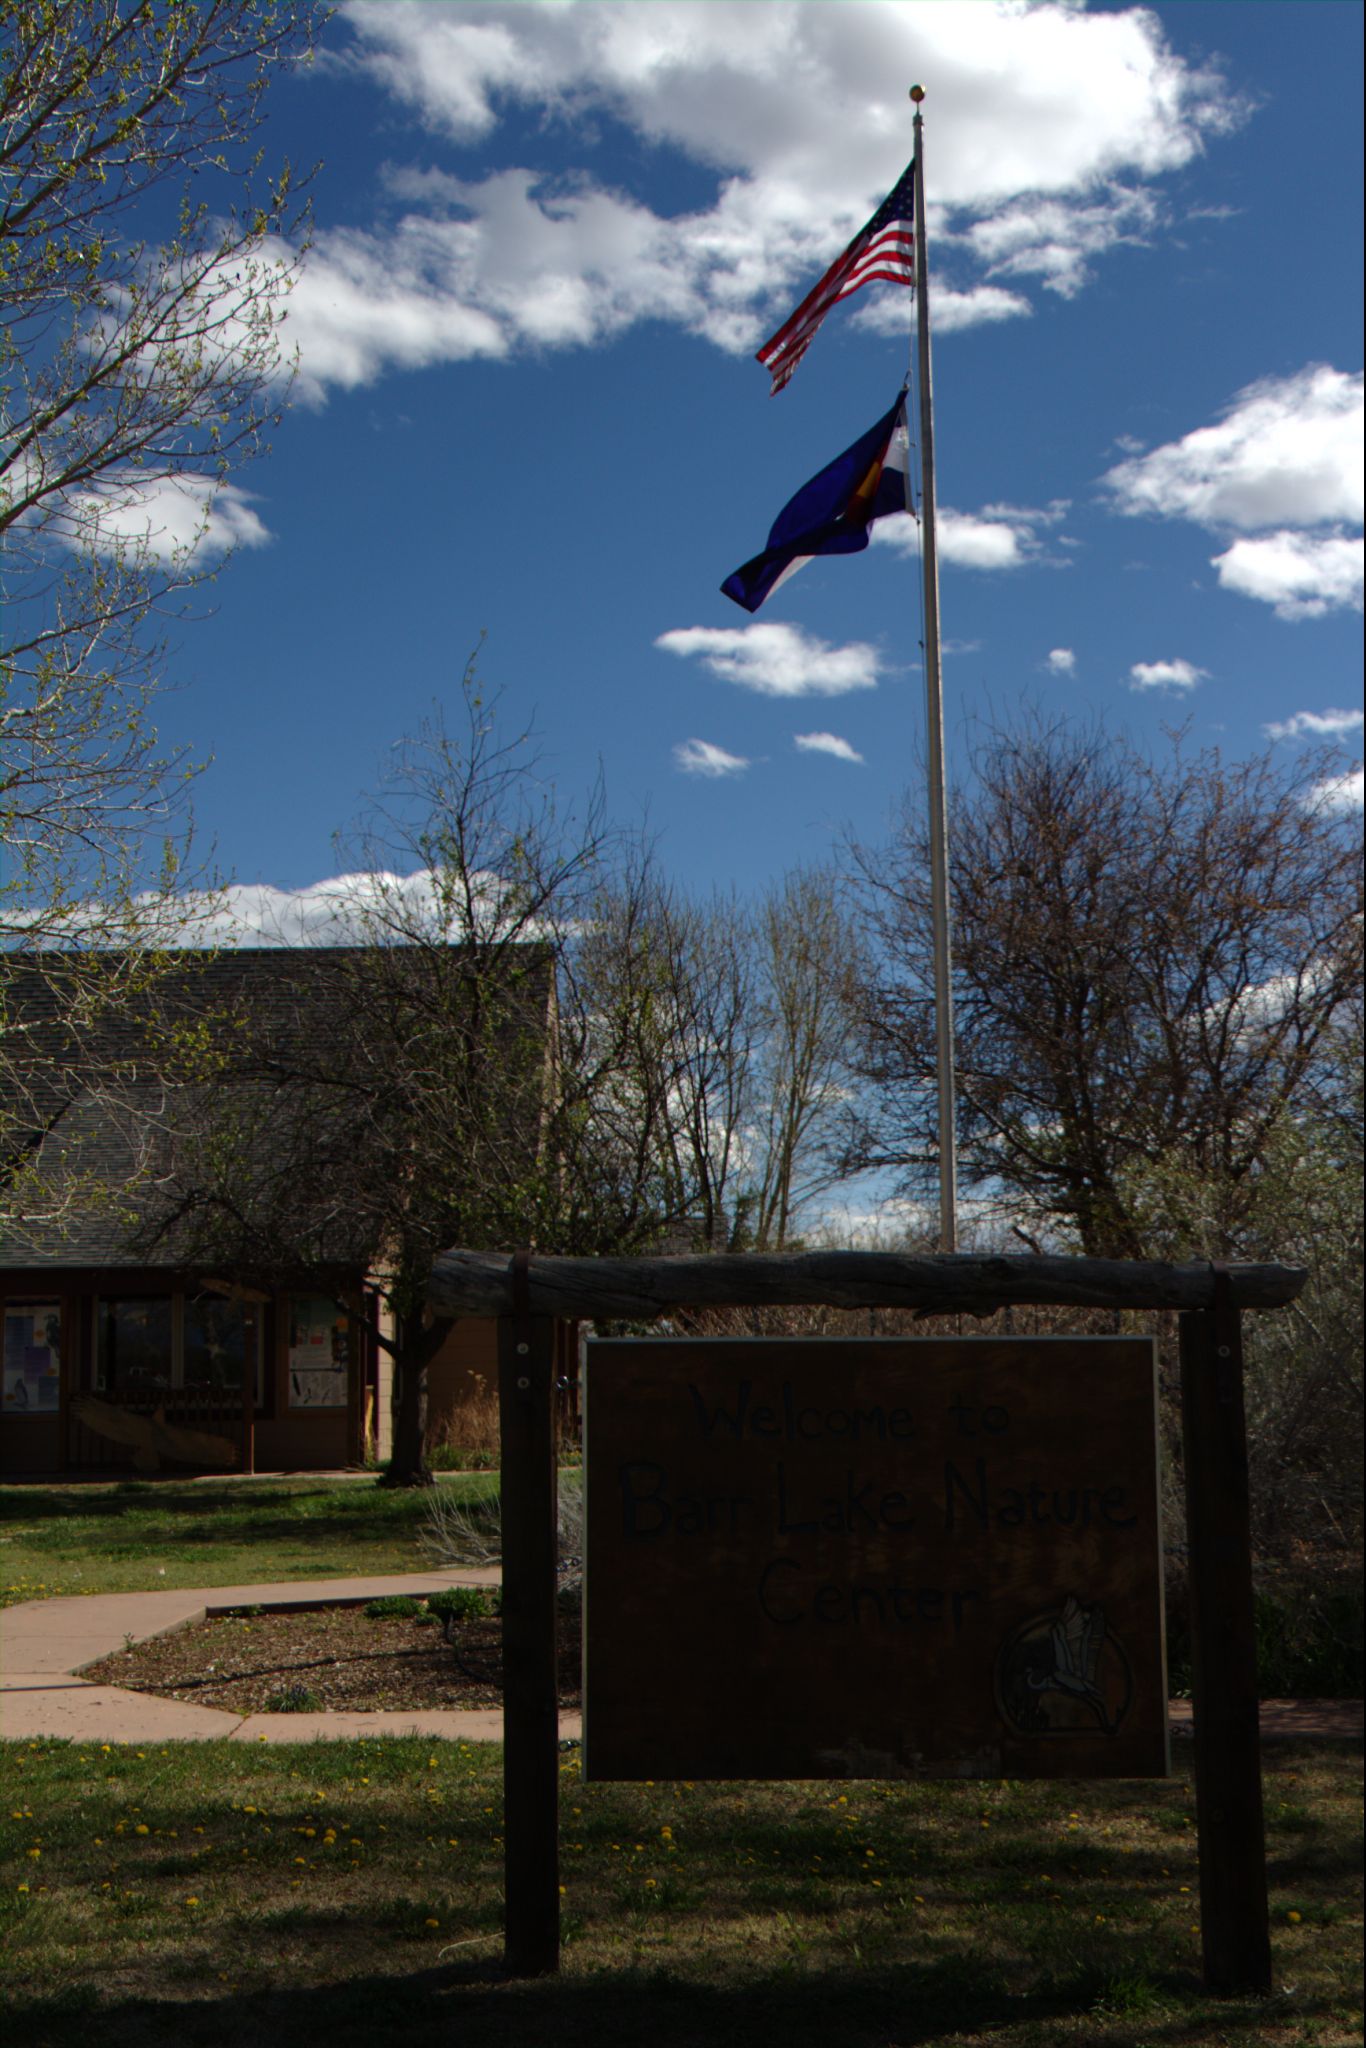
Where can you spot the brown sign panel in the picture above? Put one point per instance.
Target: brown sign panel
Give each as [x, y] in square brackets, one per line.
[814, 1559]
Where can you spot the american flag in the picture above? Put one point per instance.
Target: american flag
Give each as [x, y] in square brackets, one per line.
[882, 252]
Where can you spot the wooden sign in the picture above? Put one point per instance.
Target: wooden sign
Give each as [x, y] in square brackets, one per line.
[880, 1559]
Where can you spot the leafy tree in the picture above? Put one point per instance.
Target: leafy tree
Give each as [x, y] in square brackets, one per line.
[1150, 956]
[137, 366]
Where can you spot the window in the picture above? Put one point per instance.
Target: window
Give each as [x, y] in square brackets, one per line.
[319, 1352]
[32, 1358]
[219, 1338]
[134, 1345]
[155, 1344]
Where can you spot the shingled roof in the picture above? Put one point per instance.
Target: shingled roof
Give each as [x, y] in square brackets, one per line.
[87, 1084]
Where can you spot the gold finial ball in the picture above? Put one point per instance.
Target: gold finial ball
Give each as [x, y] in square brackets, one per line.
[917, 93]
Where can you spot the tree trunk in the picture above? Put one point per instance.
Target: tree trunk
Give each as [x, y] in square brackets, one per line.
[408, 1466]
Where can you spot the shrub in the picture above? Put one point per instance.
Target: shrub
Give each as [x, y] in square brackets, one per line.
[393, 1606]
[1309, 1633]
[295, 1699]
[471, 1533]
[459, 1603]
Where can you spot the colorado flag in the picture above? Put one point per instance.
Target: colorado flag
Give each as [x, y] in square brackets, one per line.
[831, 515]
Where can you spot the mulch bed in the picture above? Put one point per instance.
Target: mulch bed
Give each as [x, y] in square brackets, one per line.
[341, 1655]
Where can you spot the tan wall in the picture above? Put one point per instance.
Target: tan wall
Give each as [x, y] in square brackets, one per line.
[469, 1354]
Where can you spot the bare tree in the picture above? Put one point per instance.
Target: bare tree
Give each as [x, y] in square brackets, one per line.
[423, 1110]
[1150, 956]
[809, 975]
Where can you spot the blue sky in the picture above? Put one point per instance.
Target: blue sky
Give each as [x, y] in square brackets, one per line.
[548, 239]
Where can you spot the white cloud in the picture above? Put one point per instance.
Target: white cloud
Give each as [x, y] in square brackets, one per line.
[700, 757]
[1062, 661]
[164, 519]
[343, 910]
[1286, 455]
[1165, 675]
[365, 303]
[1042, 98]
[1319, 725]
[777, 660]
[891, 312]
[170, 518]
[826, 743]
[800, 115]
[998, 537]
[1302, 575]
[1286, 452]
[1054, 240]
[1341, 792]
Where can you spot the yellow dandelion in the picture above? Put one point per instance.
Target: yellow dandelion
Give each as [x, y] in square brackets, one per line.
[1294, 1918]
[429, 1922]
[192, 1902]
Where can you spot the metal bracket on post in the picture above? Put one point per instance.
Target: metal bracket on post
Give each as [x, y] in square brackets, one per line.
[521, 1321]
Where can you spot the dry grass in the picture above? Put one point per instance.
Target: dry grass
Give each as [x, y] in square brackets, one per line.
[468, 1435]
[351, 1892]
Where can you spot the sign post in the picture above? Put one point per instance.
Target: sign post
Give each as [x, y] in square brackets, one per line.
[1235, 1934]
[1042, 1504]
[531, 1776]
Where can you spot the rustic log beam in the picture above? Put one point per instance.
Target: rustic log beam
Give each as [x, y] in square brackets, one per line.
[466, 1283]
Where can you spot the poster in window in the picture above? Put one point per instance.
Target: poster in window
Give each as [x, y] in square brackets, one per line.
[319, 1348]
[31, 1360]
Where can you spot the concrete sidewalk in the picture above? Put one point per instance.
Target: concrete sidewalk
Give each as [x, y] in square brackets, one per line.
[46, 1644]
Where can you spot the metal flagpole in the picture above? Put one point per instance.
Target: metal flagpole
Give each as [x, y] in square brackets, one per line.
[934, 705]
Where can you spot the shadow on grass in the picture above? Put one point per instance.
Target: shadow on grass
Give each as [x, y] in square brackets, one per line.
[471, 2003]
[126, 1524]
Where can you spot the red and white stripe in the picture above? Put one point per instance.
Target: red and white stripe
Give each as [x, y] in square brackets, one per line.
[882, 252]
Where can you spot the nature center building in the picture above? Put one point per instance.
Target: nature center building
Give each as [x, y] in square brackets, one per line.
[131, 1339]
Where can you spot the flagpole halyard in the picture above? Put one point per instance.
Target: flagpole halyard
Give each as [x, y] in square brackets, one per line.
[934, 707]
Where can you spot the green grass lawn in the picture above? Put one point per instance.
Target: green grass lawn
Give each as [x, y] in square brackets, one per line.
[159, 1534]
[350, 1893]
